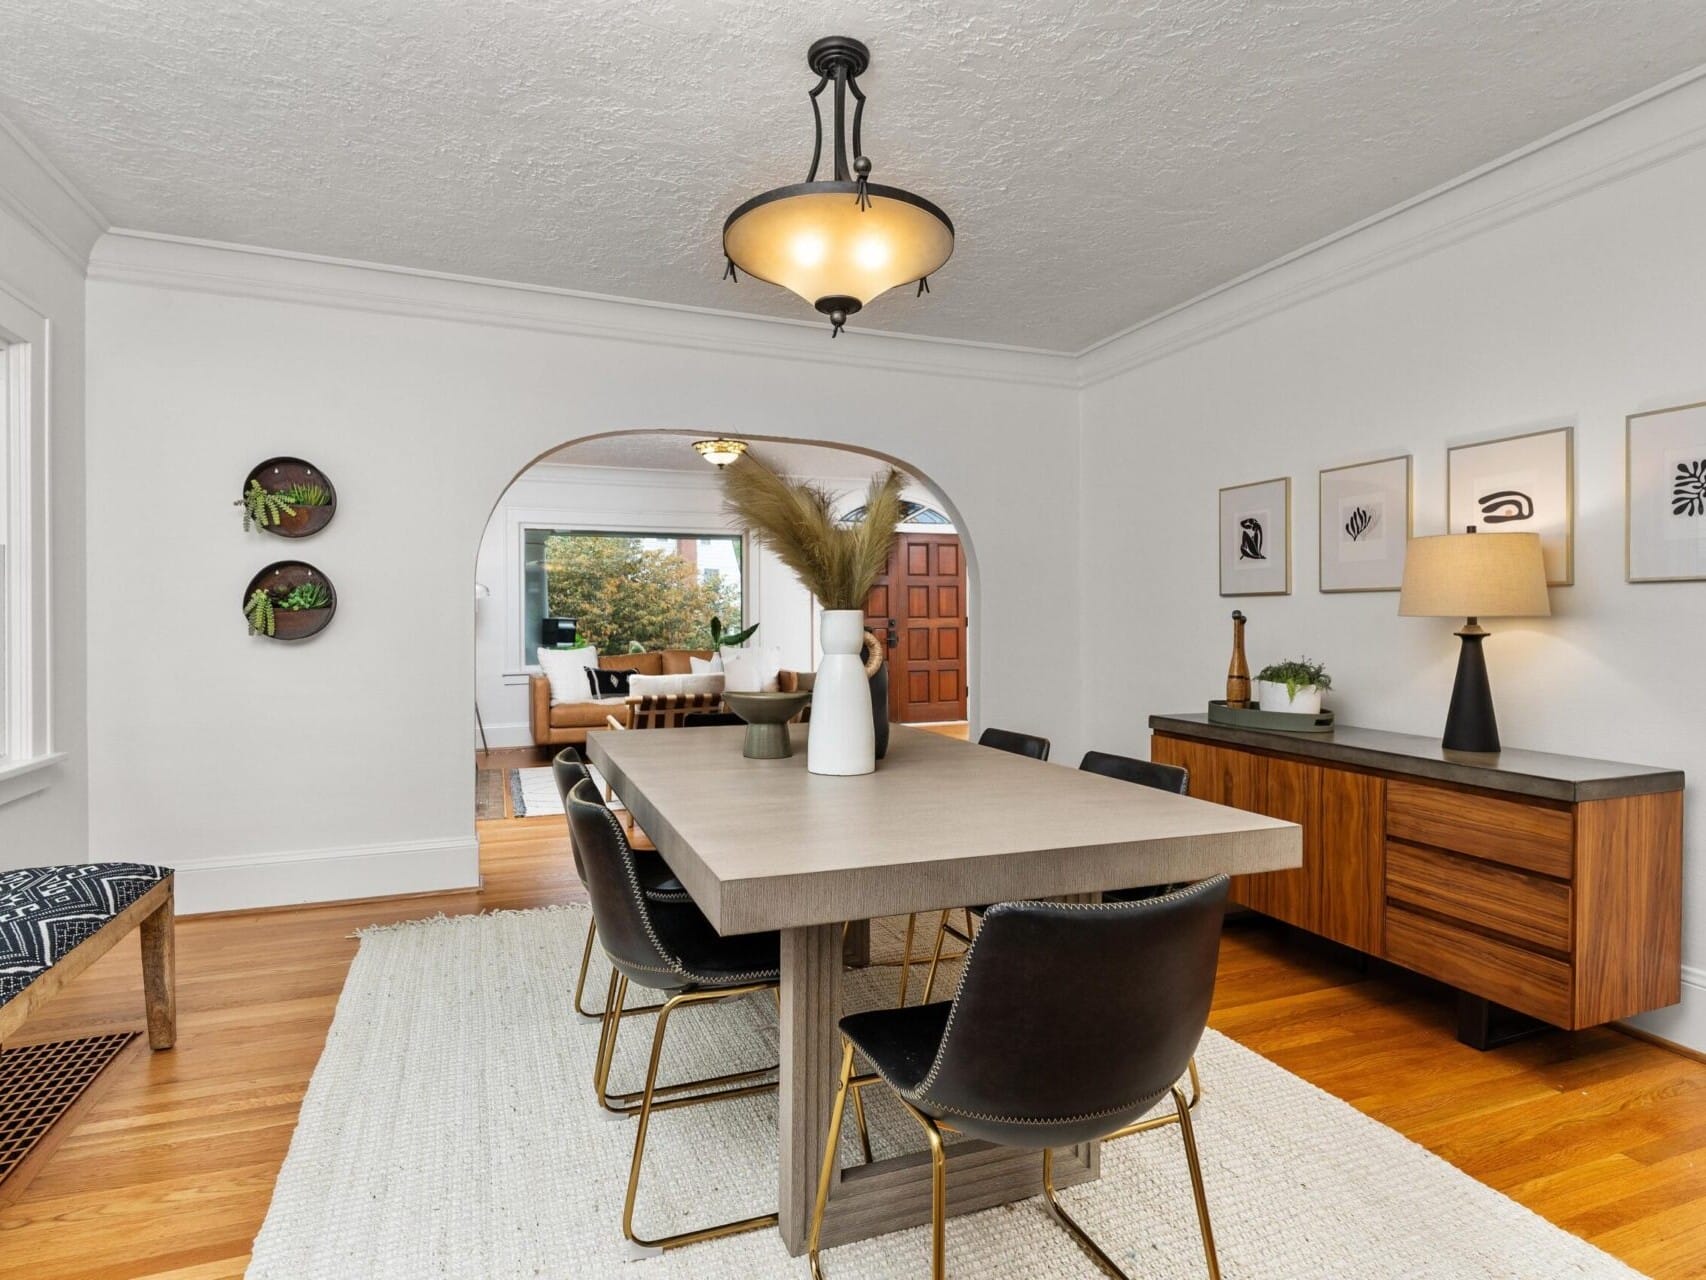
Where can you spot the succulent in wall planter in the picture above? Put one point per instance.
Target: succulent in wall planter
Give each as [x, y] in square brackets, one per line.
[289, 601]
[287, 497]
[1295, 685]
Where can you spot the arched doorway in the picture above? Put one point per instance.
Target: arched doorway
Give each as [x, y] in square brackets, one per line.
[640, 512]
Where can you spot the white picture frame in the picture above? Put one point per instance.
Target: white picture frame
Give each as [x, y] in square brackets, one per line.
[1366, 521]
[1518, 484]
[1664, 509]
[1255, 539]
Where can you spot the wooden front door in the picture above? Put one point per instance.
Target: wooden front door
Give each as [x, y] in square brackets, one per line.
[919, 607]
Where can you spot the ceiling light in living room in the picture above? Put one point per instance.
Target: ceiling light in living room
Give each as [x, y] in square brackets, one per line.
[719, 452]
[844, 241]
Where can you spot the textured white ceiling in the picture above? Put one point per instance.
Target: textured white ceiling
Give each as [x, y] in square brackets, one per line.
[1101, 159]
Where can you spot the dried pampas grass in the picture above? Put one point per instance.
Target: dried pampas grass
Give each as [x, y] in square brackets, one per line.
[838, 563]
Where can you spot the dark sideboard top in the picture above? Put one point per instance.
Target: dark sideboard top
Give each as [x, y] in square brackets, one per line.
[1541, 774]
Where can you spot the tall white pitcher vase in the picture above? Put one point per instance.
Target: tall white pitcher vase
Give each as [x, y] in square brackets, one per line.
[843, 739]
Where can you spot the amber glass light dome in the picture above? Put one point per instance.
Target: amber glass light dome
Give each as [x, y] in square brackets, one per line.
[814, 239]
[843, 242]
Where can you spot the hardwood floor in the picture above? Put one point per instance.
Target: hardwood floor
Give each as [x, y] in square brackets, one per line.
[169, 1175]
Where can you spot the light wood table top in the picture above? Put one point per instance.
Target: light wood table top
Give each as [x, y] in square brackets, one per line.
[763, 844]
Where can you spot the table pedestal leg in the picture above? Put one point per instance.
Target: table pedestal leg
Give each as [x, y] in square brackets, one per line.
[811, 1007]
[856, 946]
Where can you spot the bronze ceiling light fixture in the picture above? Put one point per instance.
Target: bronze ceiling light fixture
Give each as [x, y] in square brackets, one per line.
[844, 241]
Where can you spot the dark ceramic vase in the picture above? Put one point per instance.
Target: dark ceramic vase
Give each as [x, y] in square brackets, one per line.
[880, 708]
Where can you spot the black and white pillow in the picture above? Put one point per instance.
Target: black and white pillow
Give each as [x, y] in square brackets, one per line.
[608, 684]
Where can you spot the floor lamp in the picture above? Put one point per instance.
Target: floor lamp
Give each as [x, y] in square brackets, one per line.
[481, 592]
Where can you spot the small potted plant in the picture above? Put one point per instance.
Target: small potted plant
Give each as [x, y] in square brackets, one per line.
[721, 639]
[287, 497]
[1294, 685]
[289, 615]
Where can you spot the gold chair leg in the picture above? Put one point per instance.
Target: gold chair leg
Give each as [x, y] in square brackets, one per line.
[1188, 1135]
[832, 1152]
[1081, 1236]
[936, 957]
[938, 1195]
[628, 1104]
[1161, 1122]
[864, 1129]
[906, 958]
[649, 1104]
[580, 978]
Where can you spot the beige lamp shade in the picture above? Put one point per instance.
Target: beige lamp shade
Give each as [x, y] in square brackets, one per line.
[814, 239]
[1475, 575]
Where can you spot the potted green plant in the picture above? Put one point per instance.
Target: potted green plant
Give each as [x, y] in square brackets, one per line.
[292, 511]
[721, 639]
[1294, 685]
[289, 615]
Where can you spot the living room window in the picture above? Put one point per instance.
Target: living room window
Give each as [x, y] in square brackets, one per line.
[630, 591]
[24, 737]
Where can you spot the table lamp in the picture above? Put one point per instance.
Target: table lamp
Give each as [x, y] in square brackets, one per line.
[1474, 576]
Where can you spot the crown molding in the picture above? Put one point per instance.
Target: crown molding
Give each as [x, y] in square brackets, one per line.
[45, 200]
[1639, 133]
[126, 256]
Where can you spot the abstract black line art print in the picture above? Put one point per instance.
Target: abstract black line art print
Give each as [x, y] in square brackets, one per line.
[1364, 525]
[1688, 489]
[1251, 539]
[1503, 506]
[1254, 538]
[1518, 484]
[1359, 523]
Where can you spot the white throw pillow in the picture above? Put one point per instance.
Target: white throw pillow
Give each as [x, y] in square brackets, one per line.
[705, 666]
[655, 686]
[566, 670]
[706, 682]
[752, 670]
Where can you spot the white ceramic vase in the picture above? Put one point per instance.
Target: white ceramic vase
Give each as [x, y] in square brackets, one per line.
[1275, 697]
[843, 739]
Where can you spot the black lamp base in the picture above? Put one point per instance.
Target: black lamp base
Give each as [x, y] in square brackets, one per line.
[1470, 725]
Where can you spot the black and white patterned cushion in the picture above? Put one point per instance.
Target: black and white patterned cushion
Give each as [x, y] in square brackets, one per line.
[46, 912]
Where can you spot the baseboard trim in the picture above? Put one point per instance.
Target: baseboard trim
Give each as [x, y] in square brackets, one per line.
[299, 876]
[1681, 1027]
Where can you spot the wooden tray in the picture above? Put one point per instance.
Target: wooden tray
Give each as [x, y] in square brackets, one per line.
[1277, 721]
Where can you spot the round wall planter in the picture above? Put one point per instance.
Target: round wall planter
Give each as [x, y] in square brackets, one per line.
[276, 474]
[292, 624]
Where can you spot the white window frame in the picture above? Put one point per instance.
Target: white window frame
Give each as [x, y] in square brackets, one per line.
[27, 748]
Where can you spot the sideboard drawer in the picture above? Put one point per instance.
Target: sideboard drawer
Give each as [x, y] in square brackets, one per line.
[1531, 910]
[1530, 836]
[1523, 980]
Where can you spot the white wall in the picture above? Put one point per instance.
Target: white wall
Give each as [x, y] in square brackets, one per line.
[1453, 323]
[45, 234]
[272, 773]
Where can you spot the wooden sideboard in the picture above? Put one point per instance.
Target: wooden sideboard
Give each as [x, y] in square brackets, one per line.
[1546, 884]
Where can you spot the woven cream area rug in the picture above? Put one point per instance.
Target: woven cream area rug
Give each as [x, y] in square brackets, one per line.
[450, 1131]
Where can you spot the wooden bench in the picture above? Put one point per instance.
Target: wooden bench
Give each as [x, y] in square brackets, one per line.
[54, 923]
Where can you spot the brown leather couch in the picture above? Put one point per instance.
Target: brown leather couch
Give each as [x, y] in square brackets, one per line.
[567, 725]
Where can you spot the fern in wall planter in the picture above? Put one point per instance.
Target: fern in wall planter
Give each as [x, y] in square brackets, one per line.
[263, 508]
[259, 611]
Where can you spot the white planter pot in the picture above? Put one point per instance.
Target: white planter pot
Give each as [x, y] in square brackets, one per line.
[843, 738]
[1275, 698]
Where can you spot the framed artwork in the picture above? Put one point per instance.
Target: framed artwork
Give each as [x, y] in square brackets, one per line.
[1521, 484]
[1365, 525]
[1255, 539]
[1665, 505]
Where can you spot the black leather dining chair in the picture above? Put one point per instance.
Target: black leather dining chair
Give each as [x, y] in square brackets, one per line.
[1015, 743]
[670, 948]
[658, 881]
[1145, 773]
[1072, 1022]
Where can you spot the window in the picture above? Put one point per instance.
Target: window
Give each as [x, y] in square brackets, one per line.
[25, 737]
[910, 513]
[630, 591]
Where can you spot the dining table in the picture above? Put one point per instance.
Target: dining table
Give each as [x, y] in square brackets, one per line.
[768, 845]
